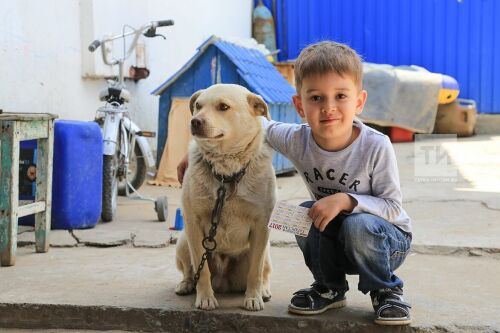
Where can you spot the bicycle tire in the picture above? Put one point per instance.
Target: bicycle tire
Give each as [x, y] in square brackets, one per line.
[161, 208]
[139, 176]
[109, 188]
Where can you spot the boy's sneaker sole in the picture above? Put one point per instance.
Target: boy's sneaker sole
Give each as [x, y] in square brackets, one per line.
[335, 305]
[392, 322]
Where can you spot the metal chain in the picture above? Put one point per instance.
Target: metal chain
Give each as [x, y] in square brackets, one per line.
[209, 243]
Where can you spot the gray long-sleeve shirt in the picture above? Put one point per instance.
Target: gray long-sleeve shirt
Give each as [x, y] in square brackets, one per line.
[366, 170]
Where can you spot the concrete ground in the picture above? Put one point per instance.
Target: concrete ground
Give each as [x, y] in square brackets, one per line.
[121, 275]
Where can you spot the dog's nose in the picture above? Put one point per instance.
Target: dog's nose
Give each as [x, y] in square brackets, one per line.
[197, 125]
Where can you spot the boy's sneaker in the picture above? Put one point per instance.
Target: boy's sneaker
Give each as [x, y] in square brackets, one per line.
[390, 307]
[316, 299]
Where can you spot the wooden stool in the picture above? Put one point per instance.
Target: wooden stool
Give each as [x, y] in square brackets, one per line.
[16, 127]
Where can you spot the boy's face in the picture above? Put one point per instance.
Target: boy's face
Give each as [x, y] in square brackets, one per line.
[329, 103]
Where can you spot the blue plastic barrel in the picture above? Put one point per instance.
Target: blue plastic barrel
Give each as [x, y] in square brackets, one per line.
[77, 175]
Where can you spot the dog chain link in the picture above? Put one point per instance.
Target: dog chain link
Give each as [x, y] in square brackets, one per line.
[209, 243]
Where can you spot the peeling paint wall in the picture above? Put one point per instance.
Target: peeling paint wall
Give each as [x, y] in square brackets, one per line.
[42, 52]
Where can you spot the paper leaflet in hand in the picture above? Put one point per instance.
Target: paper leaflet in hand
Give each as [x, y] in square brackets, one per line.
[290, 218]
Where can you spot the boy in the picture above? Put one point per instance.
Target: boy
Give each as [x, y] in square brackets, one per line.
[350, 169]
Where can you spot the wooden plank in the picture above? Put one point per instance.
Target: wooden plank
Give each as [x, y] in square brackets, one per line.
[44, 189]
[9, 192]
[32, 208]
[30, 130]
[26, 116]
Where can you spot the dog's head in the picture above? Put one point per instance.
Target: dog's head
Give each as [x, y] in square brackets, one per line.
[225, 112]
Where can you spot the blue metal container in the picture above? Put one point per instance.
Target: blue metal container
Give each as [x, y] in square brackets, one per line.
[77, 175]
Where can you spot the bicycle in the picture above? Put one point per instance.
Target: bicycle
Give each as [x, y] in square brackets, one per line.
[127, 154]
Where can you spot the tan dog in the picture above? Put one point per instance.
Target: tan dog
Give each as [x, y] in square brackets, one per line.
[228, 137]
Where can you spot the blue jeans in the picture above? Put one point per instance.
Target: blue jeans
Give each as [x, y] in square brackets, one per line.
[359, 243]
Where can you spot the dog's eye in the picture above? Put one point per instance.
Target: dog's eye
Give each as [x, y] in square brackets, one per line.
[222, 107]
[198, 106]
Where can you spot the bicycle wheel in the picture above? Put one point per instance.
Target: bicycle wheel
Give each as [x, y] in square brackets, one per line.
[109, 187]
[136, 173]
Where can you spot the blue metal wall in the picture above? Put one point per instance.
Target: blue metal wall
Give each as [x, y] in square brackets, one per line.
[460, 38]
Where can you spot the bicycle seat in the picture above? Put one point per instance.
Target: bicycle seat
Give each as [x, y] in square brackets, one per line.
[111, 94]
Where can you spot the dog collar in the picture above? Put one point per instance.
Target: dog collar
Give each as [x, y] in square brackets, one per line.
[234, 178]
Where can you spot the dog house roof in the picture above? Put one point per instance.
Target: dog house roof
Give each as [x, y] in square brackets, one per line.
[253, 67]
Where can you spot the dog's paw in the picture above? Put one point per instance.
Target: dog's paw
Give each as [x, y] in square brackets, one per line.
[266, 294]
[254, 302]
[206, 302]
[185, 287]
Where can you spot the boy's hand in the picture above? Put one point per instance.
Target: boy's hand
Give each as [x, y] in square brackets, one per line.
[326, 209]
[181, 169]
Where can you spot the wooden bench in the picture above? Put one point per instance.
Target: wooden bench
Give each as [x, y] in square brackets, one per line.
[16, 127]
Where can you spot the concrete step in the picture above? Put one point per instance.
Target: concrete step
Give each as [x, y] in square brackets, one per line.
[27, 330]
[132, 289]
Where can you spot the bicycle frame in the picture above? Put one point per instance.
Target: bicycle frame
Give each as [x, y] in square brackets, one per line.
[113, 115]
[141, 141]
[120, 134]
[116, 113]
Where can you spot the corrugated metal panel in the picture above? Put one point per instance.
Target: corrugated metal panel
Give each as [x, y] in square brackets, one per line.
[252, 65]
[460, 38]
[260, 74]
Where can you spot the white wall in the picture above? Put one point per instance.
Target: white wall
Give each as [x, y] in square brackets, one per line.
[43, 55]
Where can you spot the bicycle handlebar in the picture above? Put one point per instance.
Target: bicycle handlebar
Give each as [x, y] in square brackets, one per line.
[94, 45]
[153, 25]
[165, 23]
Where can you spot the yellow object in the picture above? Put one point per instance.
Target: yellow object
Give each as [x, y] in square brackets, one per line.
[448, 95]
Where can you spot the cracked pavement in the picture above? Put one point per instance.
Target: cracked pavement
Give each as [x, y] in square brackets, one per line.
[129, 263]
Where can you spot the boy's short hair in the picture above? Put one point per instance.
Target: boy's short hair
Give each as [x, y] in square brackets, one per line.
[326, 56]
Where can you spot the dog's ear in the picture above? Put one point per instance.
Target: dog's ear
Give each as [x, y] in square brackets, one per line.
[258, 105]
[193, 99]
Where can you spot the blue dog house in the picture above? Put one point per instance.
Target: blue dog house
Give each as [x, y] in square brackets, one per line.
[219, 61]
